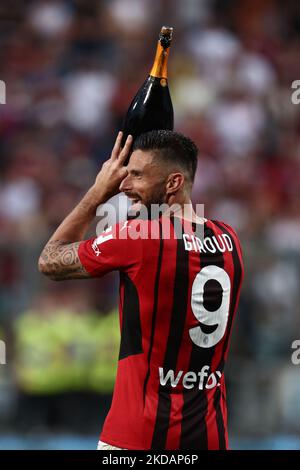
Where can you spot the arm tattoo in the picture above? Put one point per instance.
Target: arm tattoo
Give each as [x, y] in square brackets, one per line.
[59, 260]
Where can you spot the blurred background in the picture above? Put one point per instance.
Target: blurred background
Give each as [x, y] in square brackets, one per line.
[71, 68]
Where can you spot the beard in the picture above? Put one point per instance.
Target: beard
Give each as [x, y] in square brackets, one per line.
[149, 208]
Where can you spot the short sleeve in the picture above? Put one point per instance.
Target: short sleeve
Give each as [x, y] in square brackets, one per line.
[112, 250]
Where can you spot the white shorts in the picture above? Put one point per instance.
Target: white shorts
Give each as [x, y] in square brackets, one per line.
[104, 446]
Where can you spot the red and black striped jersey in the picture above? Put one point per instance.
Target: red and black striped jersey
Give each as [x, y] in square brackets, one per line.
[179, 290]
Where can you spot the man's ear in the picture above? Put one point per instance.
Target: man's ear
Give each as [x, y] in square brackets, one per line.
[175, 182]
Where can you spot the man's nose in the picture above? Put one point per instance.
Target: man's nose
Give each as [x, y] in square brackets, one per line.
[125, 184]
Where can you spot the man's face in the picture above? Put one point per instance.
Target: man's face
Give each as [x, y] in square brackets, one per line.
[146, 181]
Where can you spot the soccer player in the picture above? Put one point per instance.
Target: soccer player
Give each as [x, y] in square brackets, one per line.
[180, 281]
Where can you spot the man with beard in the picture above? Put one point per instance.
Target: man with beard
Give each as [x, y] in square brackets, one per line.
[180, 282]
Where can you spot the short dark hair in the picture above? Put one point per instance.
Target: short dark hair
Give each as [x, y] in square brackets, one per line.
[172, 147]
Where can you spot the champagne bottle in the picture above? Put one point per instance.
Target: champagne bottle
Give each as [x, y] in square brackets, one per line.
[152, 108]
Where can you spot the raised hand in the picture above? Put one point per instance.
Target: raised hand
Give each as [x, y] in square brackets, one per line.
[113, 170]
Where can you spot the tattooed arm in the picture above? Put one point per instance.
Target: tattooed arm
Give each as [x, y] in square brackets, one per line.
[59, 259]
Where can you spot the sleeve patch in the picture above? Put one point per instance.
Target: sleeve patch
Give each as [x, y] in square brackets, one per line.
[104, 237]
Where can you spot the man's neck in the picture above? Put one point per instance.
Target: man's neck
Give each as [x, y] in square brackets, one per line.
[184, 210]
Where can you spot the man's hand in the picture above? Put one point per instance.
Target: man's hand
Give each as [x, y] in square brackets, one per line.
[113, 170]
[59, 260]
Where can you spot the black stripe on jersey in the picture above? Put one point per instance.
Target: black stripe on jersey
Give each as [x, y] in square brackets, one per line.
[235, 287]
[220, 419]
[178, 316]
[131, 333]
[236, 283]
[155, 303]
[194, 432]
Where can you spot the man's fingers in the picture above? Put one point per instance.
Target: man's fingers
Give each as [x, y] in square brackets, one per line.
[125, 151]
[116, 150]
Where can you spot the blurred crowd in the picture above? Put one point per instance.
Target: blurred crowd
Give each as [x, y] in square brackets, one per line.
[71, 68]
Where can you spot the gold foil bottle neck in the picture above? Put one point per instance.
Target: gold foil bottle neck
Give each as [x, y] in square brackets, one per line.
[160, 65]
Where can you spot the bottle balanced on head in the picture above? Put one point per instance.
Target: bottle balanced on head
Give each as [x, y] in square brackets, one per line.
[152, 108]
